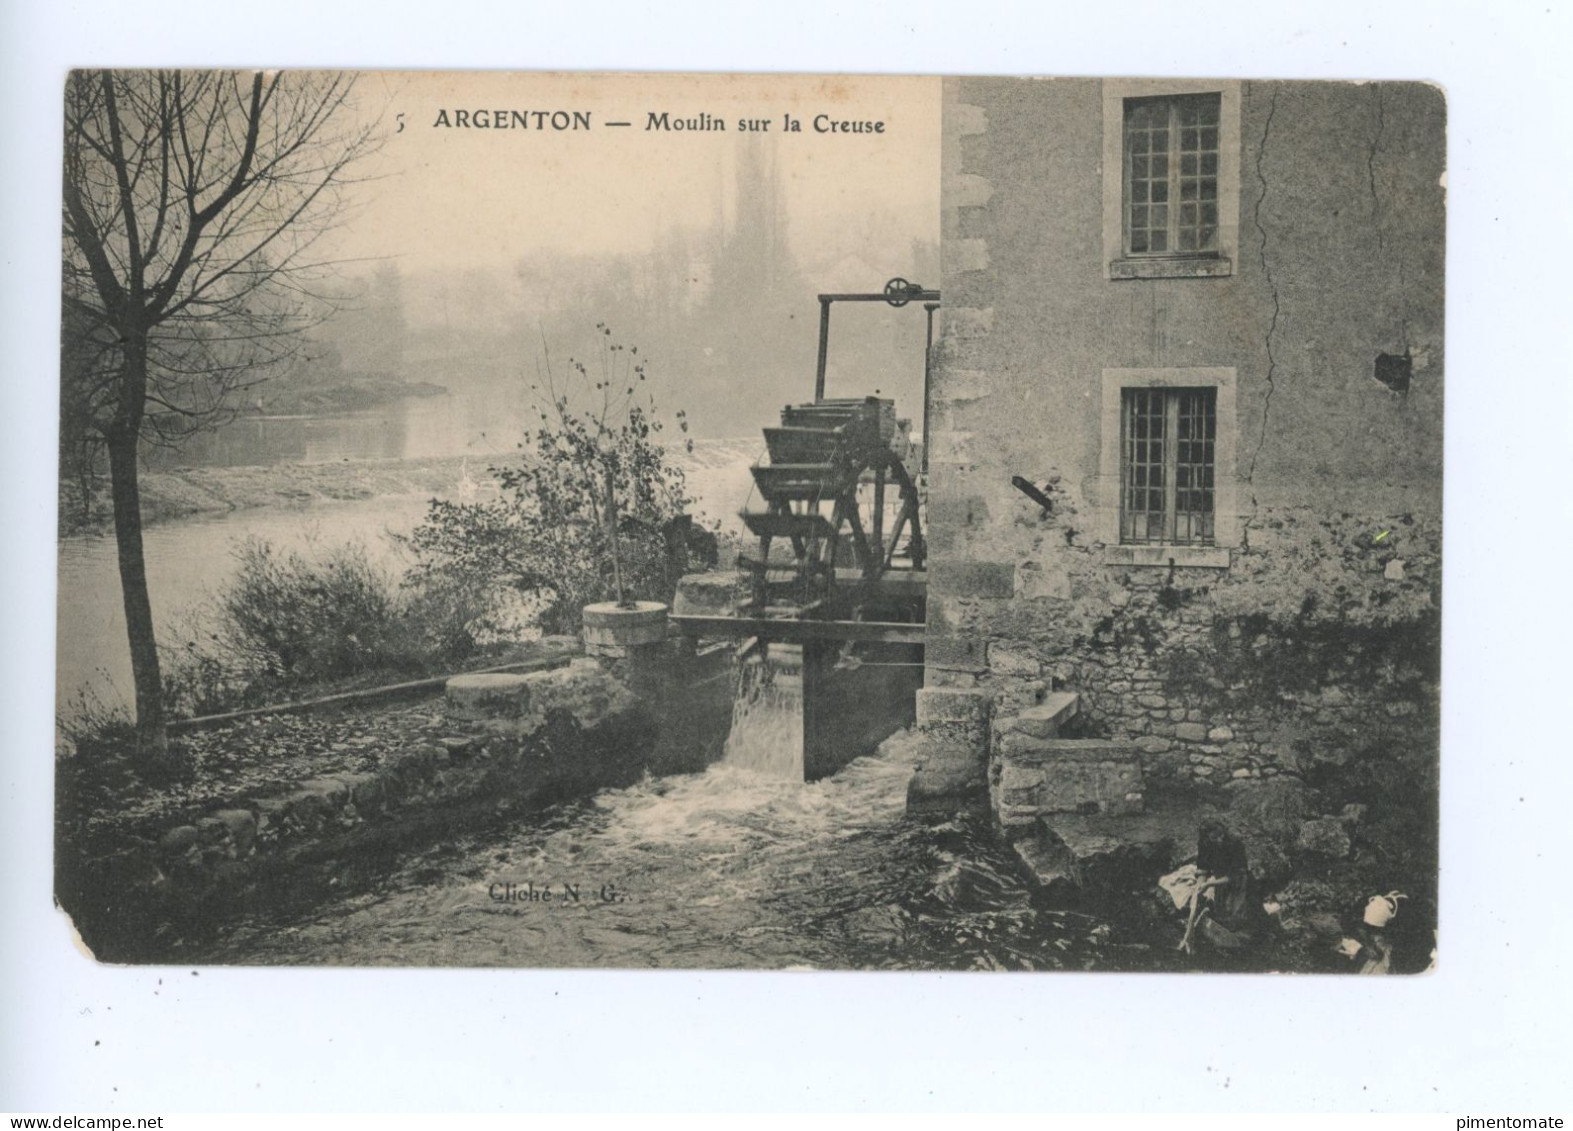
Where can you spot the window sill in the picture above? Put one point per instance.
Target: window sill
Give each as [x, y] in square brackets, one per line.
[1185, 557]
[1176, 267]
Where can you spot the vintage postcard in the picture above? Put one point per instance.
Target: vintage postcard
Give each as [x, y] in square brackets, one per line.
[750, 521]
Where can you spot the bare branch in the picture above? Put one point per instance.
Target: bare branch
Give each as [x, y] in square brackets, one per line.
[192, 203]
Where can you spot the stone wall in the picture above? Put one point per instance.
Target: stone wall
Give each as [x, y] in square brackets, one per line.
[1042, 776]
[518, 742]
[1311, 634]
[1318, 641]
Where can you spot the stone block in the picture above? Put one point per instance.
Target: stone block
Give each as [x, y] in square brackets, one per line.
[363, 789]
[333, 791]
[973, 579]
[967, 741]
[968, 323]
[271, 811]
[944, 781]
[488, 695]
[953, 737]
[306, 808]
[955, 386]
[957, 511]
[1045, 720]
[1190, 732]
[946, 704]
[967, 190]
[963, 118]
[966, 254]
[1031, 795]
[963, 650]
[1114, 853]
[179, 839]
[1018, 695]
[707, 594]
[1040, 776]
[1029, 749]
[242, 827]
[1049, 862]
[1005, 660]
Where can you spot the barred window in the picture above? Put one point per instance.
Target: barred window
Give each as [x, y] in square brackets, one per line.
[1171, 175]
[1167, 464]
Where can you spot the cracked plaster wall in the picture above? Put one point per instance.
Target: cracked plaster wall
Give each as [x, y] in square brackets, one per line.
[1340, 259]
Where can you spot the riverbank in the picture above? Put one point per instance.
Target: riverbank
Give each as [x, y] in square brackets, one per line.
[191, 492]
[716, 471]
[277, 804]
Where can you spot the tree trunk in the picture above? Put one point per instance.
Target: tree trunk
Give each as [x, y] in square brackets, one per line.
[152, 741]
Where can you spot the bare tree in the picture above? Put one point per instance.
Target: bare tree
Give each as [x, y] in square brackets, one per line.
[193, 203]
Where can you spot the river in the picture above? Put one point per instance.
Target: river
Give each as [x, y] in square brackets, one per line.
[190, 560]
[726, 869]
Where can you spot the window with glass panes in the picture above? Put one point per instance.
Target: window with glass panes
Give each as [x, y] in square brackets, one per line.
[1167, 459]
[1171, 175]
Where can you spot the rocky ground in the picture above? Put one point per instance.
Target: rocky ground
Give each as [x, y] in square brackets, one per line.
[104, 800]
[260, 754]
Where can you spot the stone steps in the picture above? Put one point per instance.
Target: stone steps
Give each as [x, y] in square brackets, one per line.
[1035, 773]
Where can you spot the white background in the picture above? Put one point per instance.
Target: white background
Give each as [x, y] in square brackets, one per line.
[1488, 1031]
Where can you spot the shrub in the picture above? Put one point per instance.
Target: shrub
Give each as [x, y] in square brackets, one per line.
[290, 618]
[594, 452]
[198, 682]
[285, 622]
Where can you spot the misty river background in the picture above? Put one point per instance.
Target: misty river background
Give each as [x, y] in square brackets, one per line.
[188, 560]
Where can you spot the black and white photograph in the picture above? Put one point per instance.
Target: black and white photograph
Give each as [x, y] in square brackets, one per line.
[880, 558]
[750, 522]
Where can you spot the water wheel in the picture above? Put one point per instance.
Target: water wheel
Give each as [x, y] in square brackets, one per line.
[822, 538]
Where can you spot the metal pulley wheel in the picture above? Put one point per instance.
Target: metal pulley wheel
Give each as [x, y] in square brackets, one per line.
[899, 292]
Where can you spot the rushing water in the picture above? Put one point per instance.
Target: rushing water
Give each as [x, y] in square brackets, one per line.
[767, 715]
[724, 869]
